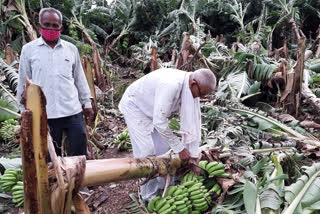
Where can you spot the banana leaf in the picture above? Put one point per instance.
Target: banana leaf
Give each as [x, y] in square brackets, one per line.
[234, 85]
[315, 68]
[10, 74]
[305, 193]
[249, 197]
[7, 111]
[262, 72]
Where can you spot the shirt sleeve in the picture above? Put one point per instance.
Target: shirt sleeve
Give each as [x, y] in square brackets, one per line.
[81, 83]
[24, 72]
[163, 104]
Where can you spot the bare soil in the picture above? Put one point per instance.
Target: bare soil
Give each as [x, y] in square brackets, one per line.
[111, 198]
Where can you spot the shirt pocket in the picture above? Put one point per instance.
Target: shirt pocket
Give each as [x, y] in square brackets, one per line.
[66, 70]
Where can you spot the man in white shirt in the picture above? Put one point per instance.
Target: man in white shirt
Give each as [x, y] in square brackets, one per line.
[55, 66]
[147, 104]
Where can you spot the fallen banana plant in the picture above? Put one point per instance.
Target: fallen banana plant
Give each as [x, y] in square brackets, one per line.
[272, 121]
[303, 195]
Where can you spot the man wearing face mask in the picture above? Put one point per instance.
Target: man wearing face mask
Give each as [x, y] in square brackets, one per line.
[54, 65]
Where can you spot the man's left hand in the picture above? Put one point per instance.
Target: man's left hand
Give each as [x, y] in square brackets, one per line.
[88, 115]
[194, 163]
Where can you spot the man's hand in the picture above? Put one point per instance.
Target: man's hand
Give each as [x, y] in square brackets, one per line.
[88, 115]
[194, 163]
[184, 156]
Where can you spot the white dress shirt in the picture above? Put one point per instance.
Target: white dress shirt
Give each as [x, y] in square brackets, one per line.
[58, 71]
[157, 95]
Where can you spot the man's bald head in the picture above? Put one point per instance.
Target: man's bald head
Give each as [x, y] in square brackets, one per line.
[202, 82]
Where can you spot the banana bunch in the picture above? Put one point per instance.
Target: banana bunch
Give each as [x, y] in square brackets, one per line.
[214, 169]
[199, 196]
[175, 201]
[216, 188]
[18, 194]
[8, 129]
[122, 141]
[190, 177]
[10, 177]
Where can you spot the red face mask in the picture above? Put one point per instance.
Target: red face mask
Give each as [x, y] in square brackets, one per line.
[50, 35]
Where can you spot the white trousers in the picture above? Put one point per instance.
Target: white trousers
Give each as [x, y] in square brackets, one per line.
[145, 141]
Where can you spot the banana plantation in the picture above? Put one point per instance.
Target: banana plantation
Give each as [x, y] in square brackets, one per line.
[260, 128]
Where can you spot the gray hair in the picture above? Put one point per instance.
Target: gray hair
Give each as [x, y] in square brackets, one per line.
[205, 77]
[50, 10]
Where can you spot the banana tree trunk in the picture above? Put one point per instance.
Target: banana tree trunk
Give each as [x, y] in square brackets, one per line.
[34, 152]
[100, 78]
[21, 6]
[110, 170]
[88, 72]
[295, 77]
[310, 97]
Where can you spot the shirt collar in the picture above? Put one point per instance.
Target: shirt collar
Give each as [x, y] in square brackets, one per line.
[42, 42]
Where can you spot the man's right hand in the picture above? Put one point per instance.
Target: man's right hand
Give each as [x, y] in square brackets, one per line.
[184, 156]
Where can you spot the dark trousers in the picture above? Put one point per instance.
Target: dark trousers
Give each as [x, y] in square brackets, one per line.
[75, 131]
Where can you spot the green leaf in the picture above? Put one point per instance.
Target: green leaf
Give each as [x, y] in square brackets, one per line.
[305, 192]
[271, 198]
[7, 111]
[315, 68]
[174, 124]
[249, 197]
[254, 88]
[258, 166]
[262, 124]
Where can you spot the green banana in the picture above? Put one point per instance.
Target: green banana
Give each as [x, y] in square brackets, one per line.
[215, 188]
[184, 210]
[164, 207]
[217, 167]
[201, 207]
[167, 211]
[195, 197]
[17, 187]
[179, 207]
[211, 164]
[203, 164]
[151, 204]
[217, 172]
[226, 175]
[177, 203]
[184, 190]
[195, 192]
[178, 192]
[189, 183]
[179, 197]
[171, 190]
[218, 191]
[195, 212]
[195, 187]
[160, 204]
[19, 204]
[198, 201]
